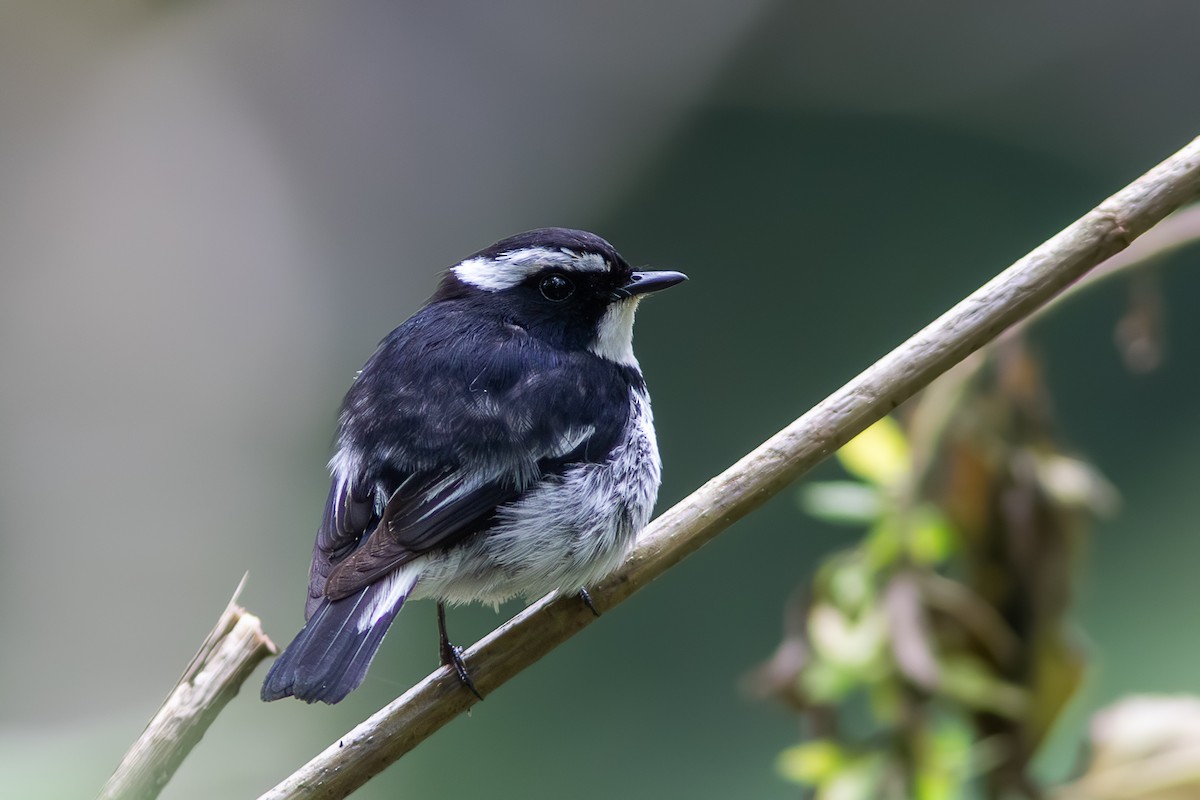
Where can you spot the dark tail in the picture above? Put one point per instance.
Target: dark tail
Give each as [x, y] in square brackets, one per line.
[328, 659]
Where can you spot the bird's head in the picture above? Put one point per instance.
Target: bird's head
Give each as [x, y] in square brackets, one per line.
[568, 287]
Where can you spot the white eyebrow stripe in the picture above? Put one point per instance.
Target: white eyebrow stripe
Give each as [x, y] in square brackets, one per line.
[511, 268]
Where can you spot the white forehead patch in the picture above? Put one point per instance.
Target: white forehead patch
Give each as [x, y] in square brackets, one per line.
[511, 268]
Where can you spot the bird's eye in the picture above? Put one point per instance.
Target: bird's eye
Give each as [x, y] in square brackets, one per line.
[556, 288]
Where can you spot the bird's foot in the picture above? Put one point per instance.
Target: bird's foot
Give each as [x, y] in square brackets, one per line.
[451, 655]
[587, 600]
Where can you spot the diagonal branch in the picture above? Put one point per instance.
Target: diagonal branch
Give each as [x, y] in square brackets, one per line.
[1006, 299]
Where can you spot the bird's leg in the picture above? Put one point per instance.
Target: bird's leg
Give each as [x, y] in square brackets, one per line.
[587, 599]
[452, 655]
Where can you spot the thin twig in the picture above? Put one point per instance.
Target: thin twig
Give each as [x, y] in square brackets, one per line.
[1178, 230]
[232, 650]
[1014, 294]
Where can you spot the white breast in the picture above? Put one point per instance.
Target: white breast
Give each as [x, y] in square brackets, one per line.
[565, 533]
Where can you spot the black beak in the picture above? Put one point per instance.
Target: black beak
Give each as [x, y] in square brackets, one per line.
[646, 282]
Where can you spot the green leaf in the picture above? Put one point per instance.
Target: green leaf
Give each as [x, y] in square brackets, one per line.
[851, 584]
[878, 455]
[934, 785]
[826, 683]
[883, 546]
[887, 701]
[858, 780]
[932, 539]
[969, 681]
[811, 763]
[944, 758]
[857, 644]
[842, 502]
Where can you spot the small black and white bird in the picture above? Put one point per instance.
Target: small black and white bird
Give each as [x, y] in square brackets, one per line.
[498, 444]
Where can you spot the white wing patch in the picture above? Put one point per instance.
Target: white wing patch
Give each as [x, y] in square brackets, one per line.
[345, 466]
[396, 586]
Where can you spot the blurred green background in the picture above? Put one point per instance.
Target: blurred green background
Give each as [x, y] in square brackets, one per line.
[210, 212]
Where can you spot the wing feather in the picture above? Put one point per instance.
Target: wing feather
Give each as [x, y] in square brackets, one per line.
[416, 522]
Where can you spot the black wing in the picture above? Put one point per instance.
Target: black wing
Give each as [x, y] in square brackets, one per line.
[444, 429]
[427, 511]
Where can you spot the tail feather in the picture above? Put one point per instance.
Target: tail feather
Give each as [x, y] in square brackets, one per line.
[329, 658]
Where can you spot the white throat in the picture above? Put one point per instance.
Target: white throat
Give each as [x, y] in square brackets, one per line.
[614, 335]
